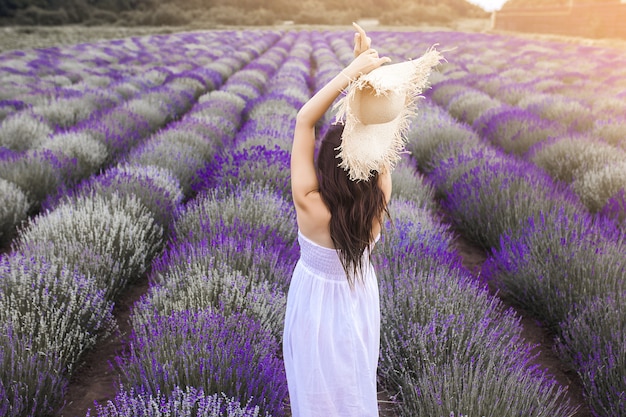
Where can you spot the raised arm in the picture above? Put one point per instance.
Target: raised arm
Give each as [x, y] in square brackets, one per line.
[303, 177]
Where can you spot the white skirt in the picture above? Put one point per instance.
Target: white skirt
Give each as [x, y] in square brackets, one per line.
[331, 337]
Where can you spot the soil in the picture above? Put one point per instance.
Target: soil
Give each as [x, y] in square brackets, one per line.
[535, 334]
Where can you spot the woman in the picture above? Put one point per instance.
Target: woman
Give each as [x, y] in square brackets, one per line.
[332, 325]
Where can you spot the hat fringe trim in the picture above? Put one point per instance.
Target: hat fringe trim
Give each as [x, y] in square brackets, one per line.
[359, 170]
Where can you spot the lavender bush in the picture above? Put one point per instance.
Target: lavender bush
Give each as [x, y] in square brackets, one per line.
[556, 262]
[115, 226]
[407, 185]
[615, 208]
[23, 131]
[438, 320]
[571, 113]
[496, 196]
[260, 165]
[443, 92]
[180, 159]
[257, 207]
[592, 340]
[612, 131]
[210, 284]
[567, 158]
[188, 402]
[432, 129]
[483, 388]
[118, 128]
[470, 105]
[62, 113]
[242, 248]
[36, 172]
[209, 350]
[14, 205]
[80, 154]
[416, 231]
[30, 384]
[515, 130]
[596, 186]
[155, 188]
[63, 311]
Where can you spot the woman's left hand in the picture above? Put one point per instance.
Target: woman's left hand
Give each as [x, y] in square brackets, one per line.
[362, 42]
[364, 63]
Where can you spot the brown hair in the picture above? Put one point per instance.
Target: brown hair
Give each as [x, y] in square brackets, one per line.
[354, 205]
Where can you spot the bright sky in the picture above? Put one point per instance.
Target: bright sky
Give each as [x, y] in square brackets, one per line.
[489, 5]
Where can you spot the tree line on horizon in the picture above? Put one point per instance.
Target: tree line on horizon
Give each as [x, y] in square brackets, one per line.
[231, 12]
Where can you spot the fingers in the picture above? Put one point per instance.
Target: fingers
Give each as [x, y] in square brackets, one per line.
[365, 62]
[362, 42]
[359, 30]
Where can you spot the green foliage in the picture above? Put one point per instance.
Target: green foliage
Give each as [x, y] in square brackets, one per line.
[231, 12]
[170, 15]
[34, 15]
[415, 14]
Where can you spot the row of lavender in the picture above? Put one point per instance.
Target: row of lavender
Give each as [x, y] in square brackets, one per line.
[549, 254]
[448, 346]
[206, 336]
[56, 134]
[567, 119]
[68, 265]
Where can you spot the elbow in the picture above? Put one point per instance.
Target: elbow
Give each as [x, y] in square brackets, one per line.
[303, 119]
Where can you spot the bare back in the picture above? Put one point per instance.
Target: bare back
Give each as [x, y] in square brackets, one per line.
[314, 222]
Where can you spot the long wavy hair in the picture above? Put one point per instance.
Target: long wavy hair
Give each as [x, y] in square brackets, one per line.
[354, 205]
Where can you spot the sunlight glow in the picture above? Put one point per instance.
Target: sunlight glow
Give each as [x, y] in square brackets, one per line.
[488, 5]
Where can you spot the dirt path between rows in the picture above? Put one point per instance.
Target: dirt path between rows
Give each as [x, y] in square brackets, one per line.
[535, 334]
[96, 380]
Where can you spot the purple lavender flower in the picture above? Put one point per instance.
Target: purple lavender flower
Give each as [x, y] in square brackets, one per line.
[205, 349]
[259, 164]
[191, 402]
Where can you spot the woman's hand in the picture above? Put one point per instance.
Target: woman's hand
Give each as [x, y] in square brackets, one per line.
[364, 63]
[361, 41]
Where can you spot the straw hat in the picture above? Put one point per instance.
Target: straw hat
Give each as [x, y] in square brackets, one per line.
[375, 112]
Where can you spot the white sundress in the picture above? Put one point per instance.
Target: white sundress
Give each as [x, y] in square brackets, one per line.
[331, 337]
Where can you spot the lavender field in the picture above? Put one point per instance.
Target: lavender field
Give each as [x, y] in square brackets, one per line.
[167, 157]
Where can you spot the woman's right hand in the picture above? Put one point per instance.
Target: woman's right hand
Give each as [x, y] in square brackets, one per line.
[364, 63]
[362, 42]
